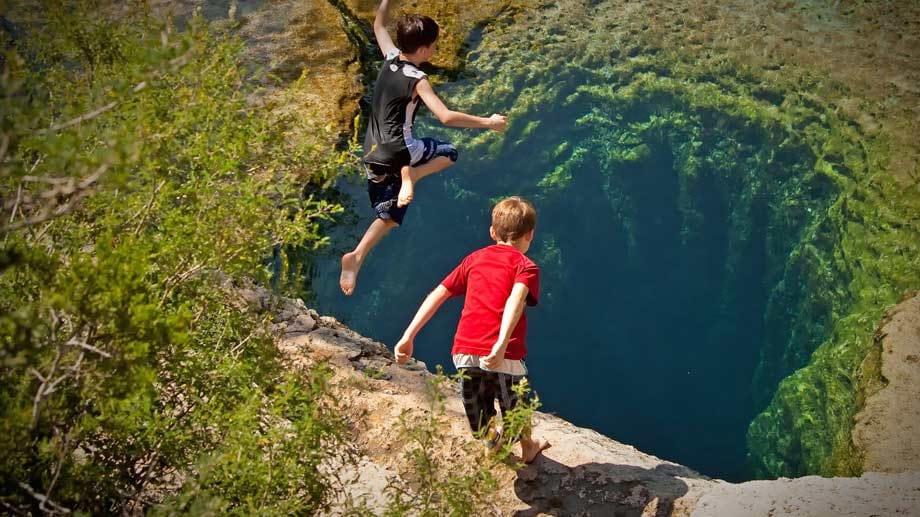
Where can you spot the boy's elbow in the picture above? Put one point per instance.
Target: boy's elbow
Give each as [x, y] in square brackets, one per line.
[448, 118]
[440, 293]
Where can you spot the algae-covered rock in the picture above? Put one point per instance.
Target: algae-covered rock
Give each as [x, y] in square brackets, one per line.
[838, 231]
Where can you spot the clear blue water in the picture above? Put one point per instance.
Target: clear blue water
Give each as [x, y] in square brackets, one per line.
[638, 342]
[654, 287]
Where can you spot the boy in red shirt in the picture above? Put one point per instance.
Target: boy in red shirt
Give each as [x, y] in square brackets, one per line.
[489, 344]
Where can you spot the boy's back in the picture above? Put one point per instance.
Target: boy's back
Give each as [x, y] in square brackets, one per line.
[389, 141]
[498, 281]
[486, 277]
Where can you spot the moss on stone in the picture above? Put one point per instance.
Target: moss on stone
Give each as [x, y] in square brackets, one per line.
[840, 170]
[857, 243]
[457, 21]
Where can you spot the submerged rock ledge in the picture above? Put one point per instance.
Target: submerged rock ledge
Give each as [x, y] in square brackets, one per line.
[584, 473]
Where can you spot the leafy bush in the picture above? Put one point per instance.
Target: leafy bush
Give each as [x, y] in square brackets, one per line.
[438, 481]
[133, 168]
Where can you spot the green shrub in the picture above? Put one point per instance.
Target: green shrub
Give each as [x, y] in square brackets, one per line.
[133, 168]
[438, 480]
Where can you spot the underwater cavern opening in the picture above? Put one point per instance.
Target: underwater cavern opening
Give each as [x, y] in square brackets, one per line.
[718, 239]
[669, 243]
[668, 239]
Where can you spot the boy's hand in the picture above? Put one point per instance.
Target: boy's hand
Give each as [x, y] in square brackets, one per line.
[498, 122]
[492, 361]
[403, 350]
[495, 358]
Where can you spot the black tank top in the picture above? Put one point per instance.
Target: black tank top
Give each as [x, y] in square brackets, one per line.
[393, 109]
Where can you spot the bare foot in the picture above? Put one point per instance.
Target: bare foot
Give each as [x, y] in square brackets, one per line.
[406, 192]
[349, 274]
[530, 449]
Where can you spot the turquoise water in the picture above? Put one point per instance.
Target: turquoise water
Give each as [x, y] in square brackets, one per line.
[664, 234]
[643, 341]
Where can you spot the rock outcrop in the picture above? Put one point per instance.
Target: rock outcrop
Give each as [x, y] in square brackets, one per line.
[584, 473]
[871, 494]
[887, 428]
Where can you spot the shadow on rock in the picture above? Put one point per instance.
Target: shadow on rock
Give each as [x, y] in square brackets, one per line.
[552, 488]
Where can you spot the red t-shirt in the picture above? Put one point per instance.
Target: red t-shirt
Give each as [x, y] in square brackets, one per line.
[486, 277]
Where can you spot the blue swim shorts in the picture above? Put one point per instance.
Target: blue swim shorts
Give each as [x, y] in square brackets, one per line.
[384, 181]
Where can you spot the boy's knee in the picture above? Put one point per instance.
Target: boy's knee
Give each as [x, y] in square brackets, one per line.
[448, 151]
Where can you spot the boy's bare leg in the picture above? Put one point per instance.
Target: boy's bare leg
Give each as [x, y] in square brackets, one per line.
[410, 175]
[531, 447]
[437, 164]
[352, 261]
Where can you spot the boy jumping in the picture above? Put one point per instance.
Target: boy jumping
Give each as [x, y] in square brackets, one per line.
[489, 344]
[393, 157]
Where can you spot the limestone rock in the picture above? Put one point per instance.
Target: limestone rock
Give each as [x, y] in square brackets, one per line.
[583, 473]
[812, 496]
[887, 428]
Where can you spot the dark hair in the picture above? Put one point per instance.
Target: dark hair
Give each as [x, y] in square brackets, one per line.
[414, 31]
[512, 218]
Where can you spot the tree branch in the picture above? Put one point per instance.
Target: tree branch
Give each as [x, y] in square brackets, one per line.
[236, 348]
[146, 210]
[148, 473]
[40, 393]
[95, 113]
[15, 510]
[4, 145]
[16, 204]
[45, 502]
[86, 346]
[78, 190]
[59, 466]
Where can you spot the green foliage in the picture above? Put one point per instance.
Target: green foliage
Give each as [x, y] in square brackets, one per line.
[807, 426]
[134, 169]
[439, 480]
[266, 454]
[375, 373]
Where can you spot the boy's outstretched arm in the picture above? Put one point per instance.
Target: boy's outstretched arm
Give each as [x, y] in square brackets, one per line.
[452, 118]
[514, 307]
[380, 28]
[432, 303]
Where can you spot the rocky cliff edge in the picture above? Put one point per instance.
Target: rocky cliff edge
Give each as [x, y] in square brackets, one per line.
[584, 473]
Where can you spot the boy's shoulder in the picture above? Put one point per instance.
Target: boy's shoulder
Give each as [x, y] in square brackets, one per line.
[508, 255]
[528, 263]
[414, 72]
[391, 60]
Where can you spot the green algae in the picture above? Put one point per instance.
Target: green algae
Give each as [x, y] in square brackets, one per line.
[842, 239]
[807, 427]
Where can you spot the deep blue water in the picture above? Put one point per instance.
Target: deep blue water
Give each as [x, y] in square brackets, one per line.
[650, 342]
